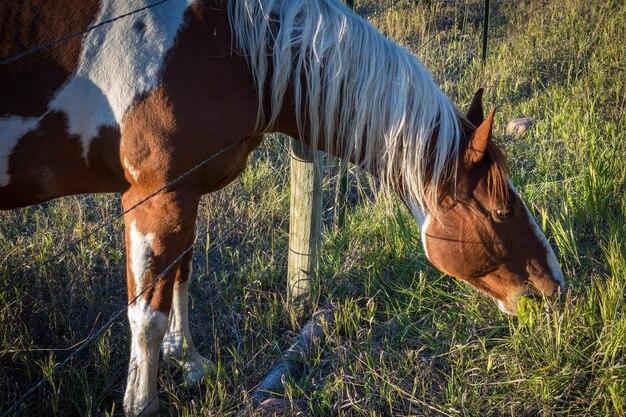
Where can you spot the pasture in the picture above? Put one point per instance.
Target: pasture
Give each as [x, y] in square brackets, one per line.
[405, 339]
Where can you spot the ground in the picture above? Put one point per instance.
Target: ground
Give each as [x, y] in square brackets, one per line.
[406, 340]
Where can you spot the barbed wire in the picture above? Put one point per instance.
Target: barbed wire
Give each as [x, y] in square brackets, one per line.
[108, 220]
[66, 38]
[542, 184]
[80, 346]
[16, 406]
[57, 367]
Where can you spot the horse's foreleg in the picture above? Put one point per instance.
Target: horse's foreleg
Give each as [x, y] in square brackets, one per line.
[157, 233]
[177, 343]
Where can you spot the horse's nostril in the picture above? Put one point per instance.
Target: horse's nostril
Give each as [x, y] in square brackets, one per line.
[557, 289]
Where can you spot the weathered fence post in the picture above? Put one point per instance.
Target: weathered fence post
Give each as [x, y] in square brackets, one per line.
[342, 180]
[305, 214]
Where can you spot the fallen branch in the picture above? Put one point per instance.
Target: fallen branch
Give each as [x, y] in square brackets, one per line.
[291, 359]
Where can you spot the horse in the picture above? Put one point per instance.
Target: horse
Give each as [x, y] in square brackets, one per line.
[109, 97]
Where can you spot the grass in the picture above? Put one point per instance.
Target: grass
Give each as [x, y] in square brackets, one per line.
[406, 340]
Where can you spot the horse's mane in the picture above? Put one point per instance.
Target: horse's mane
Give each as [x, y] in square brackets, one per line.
[351, 85]
[497, 179]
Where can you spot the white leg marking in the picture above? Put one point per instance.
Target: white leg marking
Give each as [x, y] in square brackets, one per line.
[503, 308]
[553, 263]
[177, 331]
[177, 343]
[12, 128]
[148, 327]
[140, 255]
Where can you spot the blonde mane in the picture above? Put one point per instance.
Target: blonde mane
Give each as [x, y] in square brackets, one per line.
[353, 86]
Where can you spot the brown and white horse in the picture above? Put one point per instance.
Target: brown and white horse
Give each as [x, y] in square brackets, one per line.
[133, 103]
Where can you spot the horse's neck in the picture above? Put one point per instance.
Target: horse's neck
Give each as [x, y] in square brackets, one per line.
[287, 123]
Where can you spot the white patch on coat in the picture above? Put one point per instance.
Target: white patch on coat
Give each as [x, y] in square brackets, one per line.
[177, 342]
[423, 219]
[131, 170]
[12, 129]
[423, 231]
[148, 327]
[140, 255]
[553, 263]
[118, 63]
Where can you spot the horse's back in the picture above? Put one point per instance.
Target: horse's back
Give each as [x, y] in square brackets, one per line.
[29, 81]
[64, 116]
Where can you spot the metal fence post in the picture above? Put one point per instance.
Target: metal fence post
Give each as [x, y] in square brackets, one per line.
[485, 31]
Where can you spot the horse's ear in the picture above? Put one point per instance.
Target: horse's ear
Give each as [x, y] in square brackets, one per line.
[475, 113]
[480, 139]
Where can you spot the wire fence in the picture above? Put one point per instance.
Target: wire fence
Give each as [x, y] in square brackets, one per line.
[19, 404]
[64, 39]
[103, 224]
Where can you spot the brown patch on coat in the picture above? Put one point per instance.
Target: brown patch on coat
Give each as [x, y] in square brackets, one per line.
[50, 164]
[189, 118]
[170, 217]
[30, 82]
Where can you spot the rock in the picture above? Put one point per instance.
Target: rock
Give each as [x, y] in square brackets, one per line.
[519, 126]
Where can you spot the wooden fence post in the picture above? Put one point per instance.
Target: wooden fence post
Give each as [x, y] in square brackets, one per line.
[305, 217]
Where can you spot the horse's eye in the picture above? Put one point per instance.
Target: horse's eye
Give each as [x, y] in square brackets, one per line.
[503, 213]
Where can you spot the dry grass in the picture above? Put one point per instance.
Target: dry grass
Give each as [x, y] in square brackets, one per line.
[406, 340]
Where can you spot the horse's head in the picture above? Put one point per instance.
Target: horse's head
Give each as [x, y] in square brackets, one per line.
[482, 232]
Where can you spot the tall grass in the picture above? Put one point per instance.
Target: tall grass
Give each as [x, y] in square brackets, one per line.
[405, 340]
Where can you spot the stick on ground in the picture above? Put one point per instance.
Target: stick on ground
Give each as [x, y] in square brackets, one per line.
[291, 359]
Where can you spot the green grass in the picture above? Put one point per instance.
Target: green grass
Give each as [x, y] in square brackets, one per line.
[406, 340]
